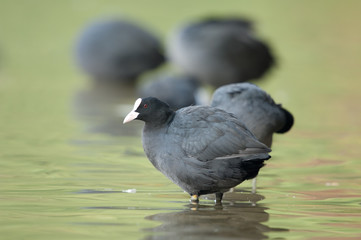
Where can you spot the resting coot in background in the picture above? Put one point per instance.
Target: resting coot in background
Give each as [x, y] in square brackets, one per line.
[117, 50]
[255, 108]
[200, 148]
[177, 91]
[113, 52]
[220, 51]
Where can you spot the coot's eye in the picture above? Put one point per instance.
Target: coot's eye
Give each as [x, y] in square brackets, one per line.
[145, 105]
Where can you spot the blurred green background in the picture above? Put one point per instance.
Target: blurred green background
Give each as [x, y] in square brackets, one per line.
[317, 44]
[317, 78]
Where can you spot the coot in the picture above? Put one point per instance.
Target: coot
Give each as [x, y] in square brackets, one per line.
[117, 49]
[220, 51]
[256, 109]
[200, 148]
[177, 91]
[113, 52]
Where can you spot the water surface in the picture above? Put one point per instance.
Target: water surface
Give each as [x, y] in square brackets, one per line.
[61, 179]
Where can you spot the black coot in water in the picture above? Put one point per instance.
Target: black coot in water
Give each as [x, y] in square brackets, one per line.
[200, 148]
[177, 91]
[220, 51]
[256, 109]
[117, 50]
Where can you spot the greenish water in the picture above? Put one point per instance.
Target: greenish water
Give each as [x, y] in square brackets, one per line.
[58, 181]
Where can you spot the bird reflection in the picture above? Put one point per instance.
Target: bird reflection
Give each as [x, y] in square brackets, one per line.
[101, 109]
[234, 219]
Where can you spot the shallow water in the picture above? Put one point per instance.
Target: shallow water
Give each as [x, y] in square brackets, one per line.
[63, 178]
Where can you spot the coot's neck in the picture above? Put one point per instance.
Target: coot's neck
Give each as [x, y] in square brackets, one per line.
[161, 119]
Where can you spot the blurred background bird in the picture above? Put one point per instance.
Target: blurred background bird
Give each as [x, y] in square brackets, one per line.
[113, 53]
[175, 89]
[220, 51]
[117, 50]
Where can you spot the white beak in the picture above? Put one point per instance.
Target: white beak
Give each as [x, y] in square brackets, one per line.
[133, 114]
[130, 117]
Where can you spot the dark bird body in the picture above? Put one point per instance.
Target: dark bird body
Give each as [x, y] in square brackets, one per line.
[255, 108]
[201, 149]
[220, 51]
[117, 50]
[113, 52]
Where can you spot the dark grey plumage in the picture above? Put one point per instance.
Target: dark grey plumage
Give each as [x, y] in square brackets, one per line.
[200, 148]
[255, 108]
[220, 51]
[117, 50]
[176, 90]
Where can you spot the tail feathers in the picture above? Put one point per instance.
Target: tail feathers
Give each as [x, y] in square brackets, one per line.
[236, 170]
[259, 151]
[288, 123]
[255, 157]
[252, 167]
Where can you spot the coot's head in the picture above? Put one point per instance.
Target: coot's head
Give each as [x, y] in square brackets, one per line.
[289, 121]
[150, 110]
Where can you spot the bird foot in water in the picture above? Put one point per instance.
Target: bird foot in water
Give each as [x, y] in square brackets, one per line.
[194, 199]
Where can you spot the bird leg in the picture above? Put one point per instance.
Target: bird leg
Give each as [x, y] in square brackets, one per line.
[254, 185]
[194, 199]
[219, 197]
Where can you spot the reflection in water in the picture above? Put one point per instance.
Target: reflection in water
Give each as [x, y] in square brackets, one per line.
[231, 220]
[102, 108]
